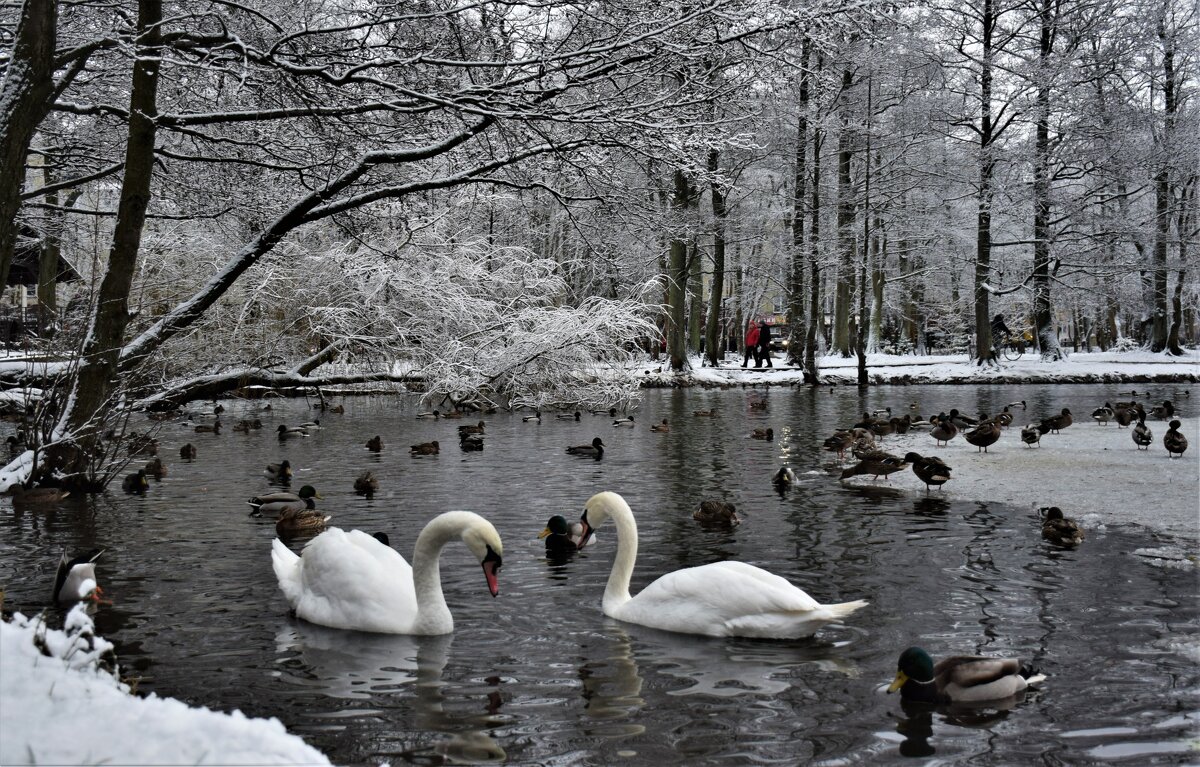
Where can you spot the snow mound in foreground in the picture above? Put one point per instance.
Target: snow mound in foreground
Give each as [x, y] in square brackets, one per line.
[61, 707]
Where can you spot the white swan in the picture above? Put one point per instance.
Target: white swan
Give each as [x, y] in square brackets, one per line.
[353, 581]
[719, 599]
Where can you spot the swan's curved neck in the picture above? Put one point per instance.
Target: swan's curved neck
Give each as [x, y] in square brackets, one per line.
[433, 616]
[616, 593]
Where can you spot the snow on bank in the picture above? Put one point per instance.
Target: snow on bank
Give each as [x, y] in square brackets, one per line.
[1081, 367]
[61, 707]
[1093, 473]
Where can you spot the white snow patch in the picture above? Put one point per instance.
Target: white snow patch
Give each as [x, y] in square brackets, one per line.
[65, 709]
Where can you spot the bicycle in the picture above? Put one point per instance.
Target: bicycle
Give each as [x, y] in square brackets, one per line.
[1012, 347]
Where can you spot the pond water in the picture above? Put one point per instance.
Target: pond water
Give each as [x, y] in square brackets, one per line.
[541, 676]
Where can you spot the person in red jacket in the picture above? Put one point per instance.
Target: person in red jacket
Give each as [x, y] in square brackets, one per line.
[752, 344]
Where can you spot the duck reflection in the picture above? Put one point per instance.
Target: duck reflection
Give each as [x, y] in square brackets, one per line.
[355, 665]
[917, 728]
[917, 723]
[931, 506]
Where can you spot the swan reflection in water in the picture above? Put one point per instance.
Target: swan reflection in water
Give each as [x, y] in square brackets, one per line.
[363, 666]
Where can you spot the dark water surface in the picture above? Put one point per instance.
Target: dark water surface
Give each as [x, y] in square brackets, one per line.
[541, 676]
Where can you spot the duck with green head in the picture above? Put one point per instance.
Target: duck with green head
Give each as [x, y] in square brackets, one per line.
[960, 678]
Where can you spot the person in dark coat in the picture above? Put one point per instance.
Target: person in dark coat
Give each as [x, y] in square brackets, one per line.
[764, 346]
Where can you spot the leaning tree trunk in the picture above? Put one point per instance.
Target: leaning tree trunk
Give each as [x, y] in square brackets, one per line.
[27, 94]
[95, 384]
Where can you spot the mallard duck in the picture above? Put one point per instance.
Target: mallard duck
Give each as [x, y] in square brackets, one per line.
[568, 416]
[1124, 414]
[287, 432]
[611, 412]
[135, 483]
[452, 414]
[767, 434]
[366, 484]
[469, 429]
[1031, 435]
[929, 469]
[960, 420]
[375, 444]
[76, 578]
[882, 428]
[877, 463]
[839, 443]
[864, 445]
[882, 412]
[297, 522]
[1142, 436]
[425, 448]
[353, 581]
[281, 471]
[717, 513]
[901, 424]
[626, 421]
[1004, 418]
[274, 504]
[1102, 415]
[785, 477]
[1056, 423]
[206, 428]
[704, 413]
[32, 496]
[431, 414]
[535, 418]
[664, 426]
[187, 452]
[719, 599]
[1174, 441]
[471, 442]
[944, 430]
[1058, 529]
[155, 468]
[218, 409]
[1164, 411]
[312, 425]
[241, 427]
[1020, 404]
[960, 679]
[558, 536]
[758, 404]
[594, 450]
[986, 433]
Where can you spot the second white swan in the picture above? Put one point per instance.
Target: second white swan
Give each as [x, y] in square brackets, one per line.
[719, 599]
[350, 580]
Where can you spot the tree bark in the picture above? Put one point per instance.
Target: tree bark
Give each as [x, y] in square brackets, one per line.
[96, 383]
[811, 373]
[1043, 310]
[796, 328]
[27, 94]
[714, 341]
[1162, 188]
[677, 277]
[845, 223]
[987, 164]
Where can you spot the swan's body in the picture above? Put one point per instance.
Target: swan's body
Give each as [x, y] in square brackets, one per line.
[718, 599]
[350, 580]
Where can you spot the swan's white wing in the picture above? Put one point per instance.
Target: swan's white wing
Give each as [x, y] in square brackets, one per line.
[352, 581]
[726, 599]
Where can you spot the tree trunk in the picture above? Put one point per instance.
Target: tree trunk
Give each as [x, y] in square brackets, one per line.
[983, 227]
[1184, 225]
[1043, 310]
[677, 277]
[796, 293]
[27, 95]
[714, 338]
[815, 320]
[1162, 189]
[845, 223]
[96, 382]
[695, 299]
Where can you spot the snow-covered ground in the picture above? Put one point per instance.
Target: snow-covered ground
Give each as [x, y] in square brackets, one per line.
[1097, 367]
[1093, 473]
[60, 707]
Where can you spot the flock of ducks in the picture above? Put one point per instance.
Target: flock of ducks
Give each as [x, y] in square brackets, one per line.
[357, 581]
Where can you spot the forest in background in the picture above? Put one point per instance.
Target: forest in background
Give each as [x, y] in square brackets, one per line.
[493, 197]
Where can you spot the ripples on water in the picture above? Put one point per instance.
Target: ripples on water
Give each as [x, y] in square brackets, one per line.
[541, 676]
